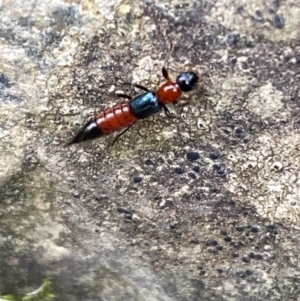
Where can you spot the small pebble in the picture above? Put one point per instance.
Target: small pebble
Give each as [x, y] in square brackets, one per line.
[233, 39]
[193, 156]
[246, 259]
[221, 172]
[149, 162]
[196, 169]
[123, 210]
[192, 175]
[227, 238]
[128, 216]
[254, 229]
[278, 22]
[179, 170]
[216, 167]
[240, 9]
[259, 14]
[213, 156]
[211, 242]
[239, 131]
[137, 179]
[251, 255]
[233, 61]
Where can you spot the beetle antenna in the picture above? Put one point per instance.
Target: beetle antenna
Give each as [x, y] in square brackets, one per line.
[169, 53]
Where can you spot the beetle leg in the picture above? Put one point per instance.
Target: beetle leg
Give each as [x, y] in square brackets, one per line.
[123, 95]
[182, 104]
[141, 87]
[167, 111]
[165, 73]
[121, 134]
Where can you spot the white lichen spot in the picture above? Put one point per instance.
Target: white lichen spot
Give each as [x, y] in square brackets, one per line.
[162, 204]
[274, 186]
[124, 8]
[52, 82]
[53, 252]
[112, 88]
[266, 101]
[168, 134]
[145, 67]
[108, 8]
[183, 190]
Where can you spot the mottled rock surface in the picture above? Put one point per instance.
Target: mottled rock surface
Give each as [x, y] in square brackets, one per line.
[203, 207]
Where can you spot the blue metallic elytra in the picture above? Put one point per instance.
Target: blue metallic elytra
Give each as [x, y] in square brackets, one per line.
[145, 105]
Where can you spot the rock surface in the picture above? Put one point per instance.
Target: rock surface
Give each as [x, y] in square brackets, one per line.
[203, 207]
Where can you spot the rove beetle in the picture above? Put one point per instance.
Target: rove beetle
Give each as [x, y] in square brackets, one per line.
[125, 114]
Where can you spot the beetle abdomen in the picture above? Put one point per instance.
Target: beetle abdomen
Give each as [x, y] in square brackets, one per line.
[116, 118]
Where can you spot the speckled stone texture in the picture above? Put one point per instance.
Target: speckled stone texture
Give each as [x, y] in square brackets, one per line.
[201, 207]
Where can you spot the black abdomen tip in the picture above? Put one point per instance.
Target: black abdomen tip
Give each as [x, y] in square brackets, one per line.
[89, 131]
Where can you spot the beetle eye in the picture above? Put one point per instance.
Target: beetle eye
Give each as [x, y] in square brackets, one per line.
[187, 81]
